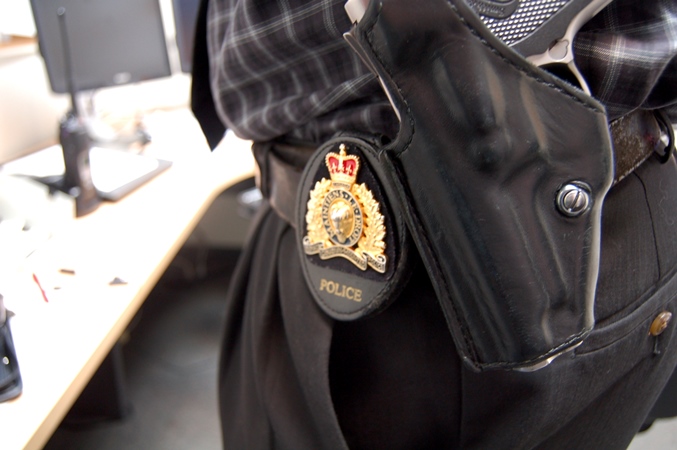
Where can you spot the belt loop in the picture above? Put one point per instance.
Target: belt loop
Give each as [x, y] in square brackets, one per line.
[261, 150]
[666, 127]
[283, 182]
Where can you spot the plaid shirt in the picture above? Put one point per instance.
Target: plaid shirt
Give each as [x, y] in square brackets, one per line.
[628, 54]
[282, 68]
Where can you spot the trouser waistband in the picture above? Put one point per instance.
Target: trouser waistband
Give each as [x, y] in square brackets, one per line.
[634, 137]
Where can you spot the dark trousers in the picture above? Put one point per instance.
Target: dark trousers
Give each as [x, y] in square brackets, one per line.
[291, 378]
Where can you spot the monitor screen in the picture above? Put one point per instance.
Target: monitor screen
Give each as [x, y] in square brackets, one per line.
[112, 42]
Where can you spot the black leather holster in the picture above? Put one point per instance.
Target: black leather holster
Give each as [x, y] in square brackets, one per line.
[501, 170]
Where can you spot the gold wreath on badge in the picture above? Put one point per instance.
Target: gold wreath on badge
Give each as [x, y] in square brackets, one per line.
[343, 218]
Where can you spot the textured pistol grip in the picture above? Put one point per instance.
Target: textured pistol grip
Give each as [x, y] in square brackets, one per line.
[486, 144]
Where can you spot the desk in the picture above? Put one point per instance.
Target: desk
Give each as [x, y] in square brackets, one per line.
[61, 343]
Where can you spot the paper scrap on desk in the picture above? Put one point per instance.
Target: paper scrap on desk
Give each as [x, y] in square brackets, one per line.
[117, 281]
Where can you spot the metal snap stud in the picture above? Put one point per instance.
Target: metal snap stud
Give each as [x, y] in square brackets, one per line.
[660, 323]
[573, 199]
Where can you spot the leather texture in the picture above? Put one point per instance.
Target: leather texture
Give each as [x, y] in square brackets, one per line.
[635, 137]
[487, 140]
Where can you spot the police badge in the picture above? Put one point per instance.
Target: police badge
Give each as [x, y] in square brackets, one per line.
[343, 218]
[353, 246]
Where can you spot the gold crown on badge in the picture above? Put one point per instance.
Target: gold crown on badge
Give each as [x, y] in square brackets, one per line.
[342, 167]
[343, 219]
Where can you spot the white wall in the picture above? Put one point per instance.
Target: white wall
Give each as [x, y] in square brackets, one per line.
[16, 18]
[29, 111]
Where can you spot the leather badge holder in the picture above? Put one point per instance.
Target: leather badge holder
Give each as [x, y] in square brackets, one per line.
[352, 239]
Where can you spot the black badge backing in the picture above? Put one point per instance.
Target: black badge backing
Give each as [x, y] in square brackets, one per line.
[352, 238]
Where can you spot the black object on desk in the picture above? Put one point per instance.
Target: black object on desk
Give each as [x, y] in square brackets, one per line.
[10, 376]
[77, 179]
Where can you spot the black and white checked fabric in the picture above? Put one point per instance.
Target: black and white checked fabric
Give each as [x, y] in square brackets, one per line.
[280, 68]
[628, 54]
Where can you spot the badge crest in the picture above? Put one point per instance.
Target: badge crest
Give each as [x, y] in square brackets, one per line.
[350, 231]
[343, 218]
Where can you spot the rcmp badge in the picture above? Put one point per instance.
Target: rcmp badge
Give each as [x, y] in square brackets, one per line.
[343, 218]
[352, 237]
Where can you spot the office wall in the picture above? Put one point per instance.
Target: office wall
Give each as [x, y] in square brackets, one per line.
[29, 112]
[16, 18]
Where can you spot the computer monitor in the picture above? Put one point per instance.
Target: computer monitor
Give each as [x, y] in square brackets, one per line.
[111, 42]
[88, 45]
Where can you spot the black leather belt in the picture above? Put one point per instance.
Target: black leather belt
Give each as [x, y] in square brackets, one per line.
[280, 168]
[635, 137]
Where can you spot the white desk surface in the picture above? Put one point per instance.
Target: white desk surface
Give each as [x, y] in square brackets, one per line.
[61, 343]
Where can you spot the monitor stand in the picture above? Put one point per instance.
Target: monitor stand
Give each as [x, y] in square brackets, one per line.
[75, 142]
[77, 178]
